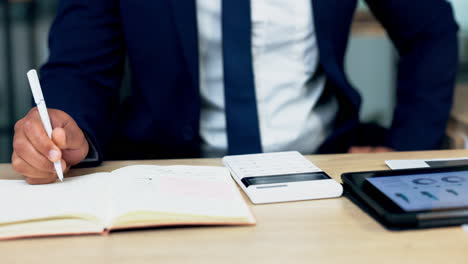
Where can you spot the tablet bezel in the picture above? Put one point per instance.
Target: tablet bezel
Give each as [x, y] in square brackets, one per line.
[381, 207]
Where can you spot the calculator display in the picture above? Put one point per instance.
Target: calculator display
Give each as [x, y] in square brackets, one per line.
[310, 176]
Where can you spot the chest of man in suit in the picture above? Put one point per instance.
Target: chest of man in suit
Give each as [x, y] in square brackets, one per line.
[160, 39]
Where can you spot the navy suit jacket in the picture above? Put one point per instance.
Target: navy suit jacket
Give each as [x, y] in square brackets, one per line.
[91, 41]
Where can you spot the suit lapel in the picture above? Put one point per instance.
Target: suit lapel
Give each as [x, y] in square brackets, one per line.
[186, 22]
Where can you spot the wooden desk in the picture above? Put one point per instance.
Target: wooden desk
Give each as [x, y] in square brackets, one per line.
[322, 231]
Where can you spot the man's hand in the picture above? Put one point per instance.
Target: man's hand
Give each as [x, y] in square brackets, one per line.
[34, 152]
[369, 149]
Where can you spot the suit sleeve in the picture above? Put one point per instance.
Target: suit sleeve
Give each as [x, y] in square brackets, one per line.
[425, 35]
[83, 73]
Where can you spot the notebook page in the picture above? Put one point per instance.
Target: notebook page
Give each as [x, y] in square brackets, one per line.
[83, 195]
[188, 190]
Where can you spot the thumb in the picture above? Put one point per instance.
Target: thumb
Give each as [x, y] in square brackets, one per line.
[72, 142]
[69, 137]
[59, 137]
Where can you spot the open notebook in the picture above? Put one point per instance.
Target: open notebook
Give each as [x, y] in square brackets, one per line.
[130, 197]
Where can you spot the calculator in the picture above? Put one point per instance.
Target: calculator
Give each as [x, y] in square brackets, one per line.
[281, 177]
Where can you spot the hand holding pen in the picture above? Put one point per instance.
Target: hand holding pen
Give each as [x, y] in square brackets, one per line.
[47, 141]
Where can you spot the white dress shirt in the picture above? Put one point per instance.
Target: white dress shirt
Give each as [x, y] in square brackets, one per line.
[287, 84]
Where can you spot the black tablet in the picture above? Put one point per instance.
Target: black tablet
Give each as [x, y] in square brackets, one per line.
[413, 198]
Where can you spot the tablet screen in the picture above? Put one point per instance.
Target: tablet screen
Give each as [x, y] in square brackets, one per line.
[418, 192]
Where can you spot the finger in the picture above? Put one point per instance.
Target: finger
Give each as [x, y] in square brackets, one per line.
[360, 149]
[26, 151]
[25, 169]
[59, 137]
[35, 181]
[381, 149]
[36, 134]
[72, 142]
[69, 136]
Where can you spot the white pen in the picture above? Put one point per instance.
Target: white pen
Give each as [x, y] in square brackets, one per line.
[41, 106]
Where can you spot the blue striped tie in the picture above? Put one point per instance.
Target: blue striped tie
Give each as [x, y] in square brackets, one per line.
[243, 131]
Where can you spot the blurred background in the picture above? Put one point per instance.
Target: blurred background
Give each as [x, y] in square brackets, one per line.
[371, 65]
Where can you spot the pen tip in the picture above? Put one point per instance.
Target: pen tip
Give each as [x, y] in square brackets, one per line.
[59, 170]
